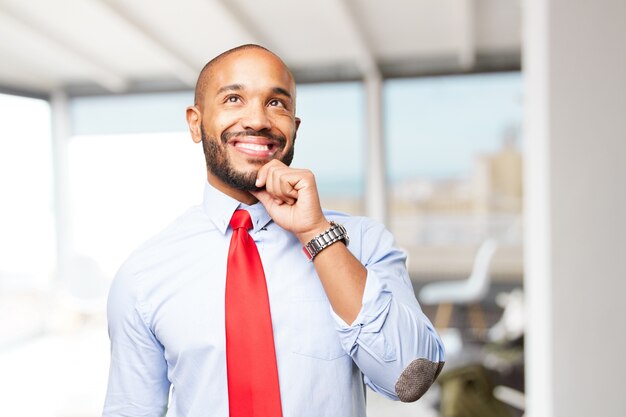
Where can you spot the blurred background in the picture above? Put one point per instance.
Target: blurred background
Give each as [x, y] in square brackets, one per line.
[488, 135]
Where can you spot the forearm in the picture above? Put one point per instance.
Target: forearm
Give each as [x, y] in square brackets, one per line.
[392, 342]
[343, 278]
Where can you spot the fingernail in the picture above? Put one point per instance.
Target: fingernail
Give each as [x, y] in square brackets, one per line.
[257, 182]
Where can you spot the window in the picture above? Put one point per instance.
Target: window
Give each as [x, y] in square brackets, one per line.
[454, 161]
[27, 245]
[331, 142]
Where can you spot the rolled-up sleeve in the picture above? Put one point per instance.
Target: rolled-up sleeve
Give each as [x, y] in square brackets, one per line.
[391, 340]
[138, 383]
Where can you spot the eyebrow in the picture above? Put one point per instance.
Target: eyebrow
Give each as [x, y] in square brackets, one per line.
[282, 91]
[239, 87]
[230, 87]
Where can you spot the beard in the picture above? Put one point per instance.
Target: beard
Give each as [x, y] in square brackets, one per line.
[219, 164]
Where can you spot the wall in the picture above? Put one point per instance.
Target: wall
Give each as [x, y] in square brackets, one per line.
[575, 69]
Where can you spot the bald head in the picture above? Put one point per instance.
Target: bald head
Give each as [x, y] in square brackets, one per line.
[207, 71]
[245, 95]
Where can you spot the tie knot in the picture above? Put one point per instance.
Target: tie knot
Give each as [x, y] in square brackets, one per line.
[240, 219]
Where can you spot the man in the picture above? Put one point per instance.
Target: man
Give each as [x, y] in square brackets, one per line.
[344, 318]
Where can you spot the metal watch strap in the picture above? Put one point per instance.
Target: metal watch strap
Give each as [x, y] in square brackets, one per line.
[336, 233]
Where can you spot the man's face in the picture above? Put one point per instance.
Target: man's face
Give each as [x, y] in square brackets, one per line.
[248, 117]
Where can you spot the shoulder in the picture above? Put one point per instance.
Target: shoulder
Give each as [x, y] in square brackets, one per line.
[369, 239]
[163, 248]
[357, 225]
[190, 224]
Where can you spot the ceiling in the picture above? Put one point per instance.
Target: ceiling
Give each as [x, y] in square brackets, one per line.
[119, 46]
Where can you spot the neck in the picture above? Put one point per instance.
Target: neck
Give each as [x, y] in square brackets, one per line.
[240, 195]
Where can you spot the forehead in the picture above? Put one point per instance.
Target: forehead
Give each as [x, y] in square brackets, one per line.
[253, 69]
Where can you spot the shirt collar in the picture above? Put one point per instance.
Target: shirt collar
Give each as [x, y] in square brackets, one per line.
[220, 207]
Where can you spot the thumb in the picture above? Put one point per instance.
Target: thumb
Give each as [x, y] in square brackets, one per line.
[264, 197]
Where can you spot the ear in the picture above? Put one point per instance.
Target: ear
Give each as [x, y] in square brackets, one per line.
[194, 120]
[295, 134]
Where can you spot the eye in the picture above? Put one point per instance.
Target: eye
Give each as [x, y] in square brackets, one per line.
[276, 103]
[232, 99]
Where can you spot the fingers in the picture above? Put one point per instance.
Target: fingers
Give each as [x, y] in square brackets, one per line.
[266, 199]
[290, 197]
[261, 176]
[283, 183]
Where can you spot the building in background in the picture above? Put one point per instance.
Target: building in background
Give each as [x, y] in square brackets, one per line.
[441, 222]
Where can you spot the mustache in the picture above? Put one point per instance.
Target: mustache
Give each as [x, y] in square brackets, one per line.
[226, 136]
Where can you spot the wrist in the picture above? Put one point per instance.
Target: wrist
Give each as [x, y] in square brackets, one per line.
[321, 227]
[328, 237]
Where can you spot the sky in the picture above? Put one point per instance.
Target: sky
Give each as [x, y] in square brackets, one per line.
[435, 125]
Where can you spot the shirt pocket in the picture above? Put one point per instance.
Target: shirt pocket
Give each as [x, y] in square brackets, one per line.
[313, 331]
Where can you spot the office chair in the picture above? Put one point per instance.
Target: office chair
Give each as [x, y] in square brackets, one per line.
[470, 291]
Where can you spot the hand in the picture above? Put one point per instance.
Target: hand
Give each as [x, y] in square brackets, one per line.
[291, 199]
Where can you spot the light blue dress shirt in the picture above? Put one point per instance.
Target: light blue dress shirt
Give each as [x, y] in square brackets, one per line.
[166, 320]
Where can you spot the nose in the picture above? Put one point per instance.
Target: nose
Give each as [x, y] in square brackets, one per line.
[256, 117]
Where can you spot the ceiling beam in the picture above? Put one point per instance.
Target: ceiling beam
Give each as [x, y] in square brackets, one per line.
[245, 24]
[98, 71]
[366, 61]
[30, 93]
[184, 69]
[467, 34]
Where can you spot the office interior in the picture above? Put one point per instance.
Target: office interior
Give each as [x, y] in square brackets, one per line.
[487, 135]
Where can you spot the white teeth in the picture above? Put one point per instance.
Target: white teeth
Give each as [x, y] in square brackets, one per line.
[252, 146]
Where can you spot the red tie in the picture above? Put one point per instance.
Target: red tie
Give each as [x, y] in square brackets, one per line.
[253, 389]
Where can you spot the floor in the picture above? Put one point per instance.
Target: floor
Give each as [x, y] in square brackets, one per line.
[60, 375]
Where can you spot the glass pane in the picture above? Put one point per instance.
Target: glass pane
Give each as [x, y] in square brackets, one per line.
[331, 142]
[455, 170]
[125, 188]
[27, 247]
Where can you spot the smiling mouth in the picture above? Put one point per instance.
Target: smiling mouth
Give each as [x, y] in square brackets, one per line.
[257, 147]
[257, 150]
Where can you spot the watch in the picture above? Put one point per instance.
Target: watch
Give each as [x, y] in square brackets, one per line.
[336, 233]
